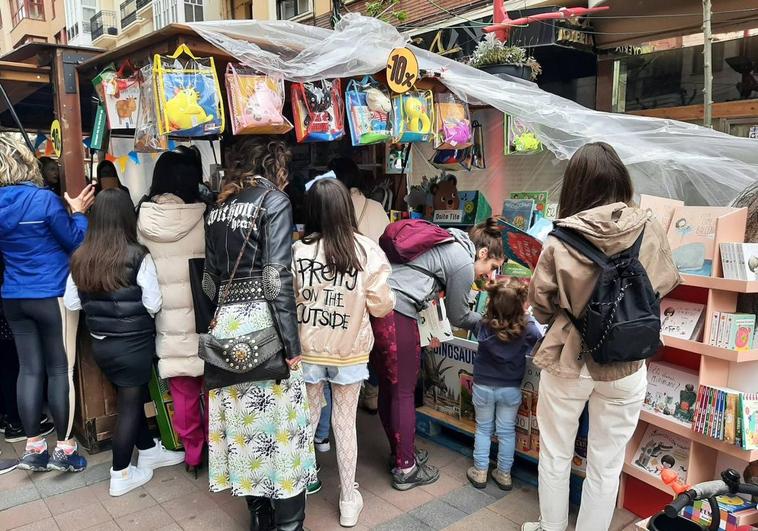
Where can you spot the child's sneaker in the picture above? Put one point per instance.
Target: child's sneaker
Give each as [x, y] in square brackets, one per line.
[128, 479]
[66, 461]
[350, 510]
[502, 479]
[158, 456]
[478, 478]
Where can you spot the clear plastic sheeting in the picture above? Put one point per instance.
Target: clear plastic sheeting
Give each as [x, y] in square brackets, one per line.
[665, 157]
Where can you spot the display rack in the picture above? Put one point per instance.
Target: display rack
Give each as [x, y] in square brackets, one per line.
[643, 493]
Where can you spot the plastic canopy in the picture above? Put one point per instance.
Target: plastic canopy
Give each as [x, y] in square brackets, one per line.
[665, 157]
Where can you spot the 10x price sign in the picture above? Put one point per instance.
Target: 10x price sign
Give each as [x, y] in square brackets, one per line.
[402, 70]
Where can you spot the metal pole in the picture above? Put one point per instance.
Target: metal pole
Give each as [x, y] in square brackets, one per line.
[15, 118]
[707, 66]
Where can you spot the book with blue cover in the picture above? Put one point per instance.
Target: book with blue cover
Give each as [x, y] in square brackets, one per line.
[519, 212]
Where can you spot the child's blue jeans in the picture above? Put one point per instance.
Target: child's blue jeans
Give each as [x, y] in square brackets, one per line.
[496, 409]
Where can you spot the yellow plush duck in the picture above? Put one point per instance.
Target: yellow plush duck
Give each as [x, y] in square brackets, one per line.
[184, 112]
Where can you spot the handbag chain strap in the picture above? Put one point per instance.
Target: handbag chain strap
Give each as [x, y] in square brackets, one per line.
[253, 222]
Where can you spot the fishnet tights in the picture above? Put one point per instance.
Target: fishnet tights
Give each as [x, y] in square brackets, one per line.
[344, 408]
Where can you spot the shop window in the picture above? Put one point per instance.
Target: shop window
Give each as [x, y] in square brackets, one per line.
[87, 14]
[193, 10]
[287, 9]
[31, 9]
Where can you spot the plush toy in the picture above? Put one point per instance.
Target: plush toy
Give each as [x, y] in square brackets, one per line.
[377, 101]
[457, 133]
[184, 111]
[446, 193]
[263, 106]
[416, 120]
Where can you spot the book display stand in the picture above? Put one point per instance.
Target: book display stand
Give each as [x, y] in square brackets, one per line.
[644, 493]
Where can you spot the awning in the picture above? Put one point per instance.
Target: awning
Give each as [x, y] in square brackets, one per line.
[633, 22]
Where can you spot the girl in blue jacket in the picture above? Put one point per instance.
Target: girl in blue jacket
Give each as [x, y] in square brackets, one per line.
[37, 236]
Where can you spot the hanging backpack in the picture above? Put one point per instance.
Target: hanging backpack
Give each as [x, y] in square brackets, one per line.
[622, 320]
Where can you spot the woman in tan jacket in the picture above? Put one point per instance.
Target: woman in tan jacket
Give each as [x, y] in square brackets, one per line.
[595, 201]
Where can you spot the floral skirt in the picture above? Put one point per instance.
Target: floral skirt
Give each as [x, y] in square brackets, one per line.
[259, 439]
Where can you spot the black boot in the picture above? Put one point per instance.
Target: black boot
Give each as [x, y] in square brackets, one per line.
[261, 513]
[289, 514]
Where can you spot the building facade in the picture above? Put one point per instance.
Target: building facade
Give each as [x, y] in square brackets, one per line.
[23, 21]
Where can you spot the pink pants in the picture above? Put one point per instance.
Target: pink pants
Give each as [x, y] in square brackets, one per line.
[189, 421]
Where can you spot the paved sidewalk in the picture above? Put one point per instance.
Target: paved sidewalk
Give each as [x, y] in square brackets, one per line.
[175, 500]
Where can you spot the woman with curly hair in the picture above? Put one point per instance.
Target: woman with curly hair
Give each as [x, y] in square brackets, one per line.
[259, 437]
[506, 334]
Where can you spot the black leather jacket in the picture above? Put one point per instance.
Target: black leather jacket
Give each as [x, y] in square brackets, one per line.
[269, 251]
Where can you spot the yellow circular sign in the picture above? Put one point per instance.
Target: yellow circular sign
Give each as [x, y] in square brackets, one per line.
[56, 137]
[402, 70]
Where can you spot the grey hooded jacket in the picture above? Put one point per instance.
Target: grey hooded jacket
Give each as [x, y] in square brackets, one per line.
[453, 264]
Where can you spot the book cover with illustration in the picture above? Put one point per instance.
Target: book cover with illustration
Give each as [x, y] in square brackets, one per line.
[741, 332]
[660, 449]
[682, 319]
[442, 372]
[747, 260]
[519, 246]
[661, 208]
[433, 322]
[748, 420]
[519, 212]
[539, 198]
[671, 391]
[692, 236]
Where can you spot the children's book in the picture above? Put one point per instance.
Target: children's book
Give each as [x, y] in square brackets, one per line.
[682, 319]
[741, 332]
[519, 246]
[660, 449]
[540, 201]
[749, 416]
[433, 323]
[746, 257]
[661, 208]
[671, 391]
[519, 212]
[692, 237]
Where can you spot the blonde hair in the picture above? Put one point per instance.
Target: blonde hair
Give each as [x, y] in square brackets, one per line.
[17, 163]
[254, 157]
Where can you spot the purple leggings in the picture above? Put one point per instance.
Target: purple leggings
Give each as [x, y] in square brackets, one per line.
[396, 358]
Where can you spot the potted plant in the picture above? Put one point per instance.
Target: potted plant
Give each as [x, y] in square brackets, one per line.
[496, 58]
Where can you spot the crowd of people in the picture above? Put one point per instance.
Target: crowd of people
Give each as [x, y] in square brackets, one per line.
[333, 321]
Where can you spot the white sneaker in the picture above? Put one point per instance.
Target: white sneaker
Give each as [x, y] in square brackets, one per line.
[128, 479]
[350, 510]
[322, 446]
[158, 456]
[531, 526]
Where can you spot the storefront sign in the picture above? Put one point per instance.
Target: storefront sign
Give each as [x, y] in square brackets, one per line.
[448, 216]
[98, 129]
[402, 70]
[56, 137]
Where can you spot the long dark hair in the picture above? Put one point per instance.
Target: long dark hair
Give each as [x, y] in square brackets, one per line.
[330, 219]
[179, 174]
[99, 265]
[595, 177]
[106, 168]
[505, 309]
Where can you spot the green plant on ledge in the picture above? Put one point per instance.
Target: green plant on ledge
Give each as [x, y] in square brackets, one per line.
[385, 10]
[492, 51]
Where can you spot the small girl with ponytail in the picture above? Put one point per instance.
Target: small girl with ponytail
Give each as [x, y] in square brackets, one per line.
[506, 335]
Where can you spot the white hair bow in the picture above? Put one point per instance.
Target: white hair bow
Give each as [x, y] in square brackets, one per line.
[327, 175]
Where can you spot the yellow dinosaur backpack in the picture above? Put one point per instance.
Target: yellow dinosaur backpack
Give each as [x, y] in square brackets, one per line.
[187, 95]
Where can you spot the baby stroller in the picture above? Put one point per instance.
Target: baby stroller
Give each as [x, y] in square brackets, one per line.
[669, 519]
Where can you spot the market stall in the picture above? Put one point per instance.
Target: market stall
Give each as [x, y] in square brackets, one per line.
[482, 143]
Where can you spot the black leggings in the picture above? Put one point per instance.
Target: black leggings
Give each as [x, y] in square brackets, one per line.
[45, 335]
[131, 426]
[8, 381]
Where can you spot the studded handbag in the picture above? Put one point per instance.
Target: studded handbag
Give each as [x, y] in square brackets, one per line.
[243, 344]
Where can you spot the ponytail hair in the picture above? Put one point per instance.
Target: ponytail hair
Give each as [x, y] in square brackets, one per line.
[488, 236]
[505, 313]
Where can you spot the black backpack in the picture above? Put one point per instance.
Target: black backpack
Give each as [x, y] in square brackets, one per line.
[622, 320]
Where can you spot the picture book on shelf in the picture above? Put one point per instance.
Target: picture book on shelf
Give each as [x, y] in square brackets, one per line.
[733, 331]
[748, 420]
[692, 236]
[740, 261]
[662, 208]
[519, 212]
[539, 198]
[682, 319]
[519, 246]
[660, 449]
[671, 391]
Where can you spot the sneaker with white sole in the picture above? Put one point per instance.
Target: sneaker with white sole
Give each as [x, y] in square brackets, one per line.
[128, 479]
[158, 456]
[350, 510]
[322, 445]
[531, 526]
[502, 479]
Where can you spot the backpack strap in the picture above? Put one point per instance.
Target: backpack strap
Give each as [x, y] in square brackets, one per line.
[580, 243]
[634, 250]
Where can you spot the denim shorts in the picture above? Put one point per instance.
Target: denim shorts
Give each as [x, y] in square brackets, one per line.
[347, 375]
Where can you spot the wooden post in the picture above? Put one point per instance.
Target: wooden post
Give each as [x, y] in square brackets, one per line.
[68, 111]
[707, 65]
